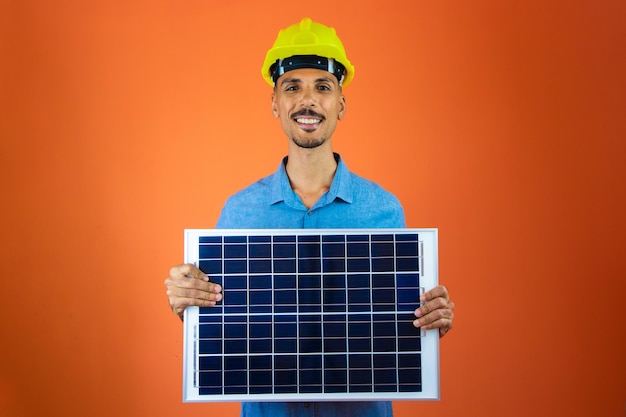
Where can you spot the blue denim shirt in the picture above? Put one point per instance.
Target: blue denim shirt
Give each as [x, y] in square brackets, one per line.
[351, 202]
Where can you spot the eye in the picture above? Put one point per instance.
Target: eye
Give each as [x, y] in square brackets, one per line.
[291, 88]
[323, 87]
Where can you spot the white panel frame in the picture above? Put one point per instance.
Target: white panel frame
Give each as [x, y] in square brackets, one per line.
[429, 342]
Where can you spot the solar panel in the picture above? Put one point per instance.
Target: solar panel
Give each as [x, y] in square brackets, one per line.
[311, 315]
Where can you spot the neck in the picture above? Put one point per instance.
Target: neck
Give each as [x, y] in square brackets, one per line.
[311, 172]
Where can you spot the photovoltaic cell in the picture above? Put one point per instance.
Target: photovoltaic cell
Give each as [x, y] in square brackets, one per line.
[312, 314]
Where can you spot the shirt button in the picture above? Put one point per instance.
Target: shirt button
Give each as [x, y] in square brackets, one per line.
[306, 405]
[310, 213]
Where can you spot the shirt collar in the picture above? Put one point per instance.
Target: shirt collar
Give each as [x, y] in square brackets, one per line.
[340, 188]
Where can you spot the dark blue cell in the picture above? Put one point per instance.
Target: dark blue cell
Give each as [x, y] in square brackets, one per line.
[309, 329]
[407, 237]
[410, 361]
[232, 363]
[260, 239]
[285, 297]
[210, 252]
[285, 330]
[408, 296]
[382, 238]
[405, 325]
[309, 265]
[360, 380]
[383, 264]
[334, 281]
[210, 239]
[210, 330]
[333, 250]
[382, 250]
[357, 329]
[261, 281]
[211, 379]
[336, 297]
[235, 331]
[359, 296]
[284, 251]
[310, 362]
[384, 344]
[333, 238]
[260, 297]
[260, 266]
[359, 345]
[285, 382]
[407, 249]
[358, 250]
[383, 296]
[235, 382]
[309, 281]
[235, 346]
[384, 376]
[260, 330]
[306, 250]
[335, 345]
[260, 346]
[284, 238]
[235, 298]
[407, 264]
[334, 265]
[285, 345]
[235, 282]
[284, 281]
[358, 265]
[235, 239]
[260, 251]
[285, 362]
[261, 362]
[407, 280]
[310, 345]
[235, 251]
[211, 267]
[283, 266]
[385, 361]
[336, 362]
[382, 329]
[359, 361]
[261, 378]
[358, 238]
[309, 238]
[359, 281]
[235, 266]
[210, 346]
[335, 380]
[334, 329]
[210, 363]
[383, 281]
[312, 299]
[410, 343]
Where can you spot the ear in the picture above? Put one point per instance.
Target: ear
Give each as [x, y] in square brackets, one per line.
[342, 109]
[274, 106]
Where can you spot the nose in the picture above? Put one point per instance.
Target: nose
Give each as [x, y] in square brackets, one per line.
[307, 98]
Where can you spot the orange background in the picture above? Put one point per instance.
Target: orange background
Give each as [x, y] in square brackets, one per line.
[499, 122]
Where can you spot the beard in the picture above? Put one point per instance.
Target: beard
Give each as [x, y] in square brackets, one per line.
[308, 144]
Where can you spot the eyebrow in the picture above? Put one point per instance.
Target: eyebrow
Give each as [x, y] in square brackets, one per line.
[298, 80]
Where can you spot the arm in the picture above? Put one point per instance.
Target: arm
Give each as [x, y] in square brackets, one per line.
[436, 312]
[188, 286]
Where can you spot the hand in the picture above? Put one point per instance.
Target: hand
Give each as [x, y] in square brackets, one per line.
[188, 286]
[436, 311]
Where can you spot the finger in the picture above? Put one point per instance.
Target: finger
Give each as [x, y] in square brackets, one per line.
[189, 271]
[439, 319]
[176, 286]
[181, 304]
[438, 291]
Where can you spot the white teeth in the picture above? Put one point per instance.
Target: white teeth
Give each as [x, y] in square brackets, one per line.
[308, 121]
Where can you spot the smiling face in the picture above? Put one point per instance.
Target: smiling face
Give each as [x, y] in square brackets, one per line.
[308, 103]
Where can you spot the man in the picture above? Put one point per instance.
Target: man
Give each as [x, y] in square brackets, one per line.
[312, 188]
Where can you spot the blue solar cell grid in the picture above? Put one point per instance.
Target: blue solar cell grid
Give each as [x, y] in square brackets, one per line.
[309, 314]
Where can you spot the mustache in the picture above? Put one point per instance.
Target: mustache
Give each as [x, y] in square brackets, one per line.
[307, 112]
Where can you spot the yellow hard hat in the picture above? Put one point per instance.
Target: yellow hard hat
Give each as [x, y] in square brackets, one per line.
[307, 45]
